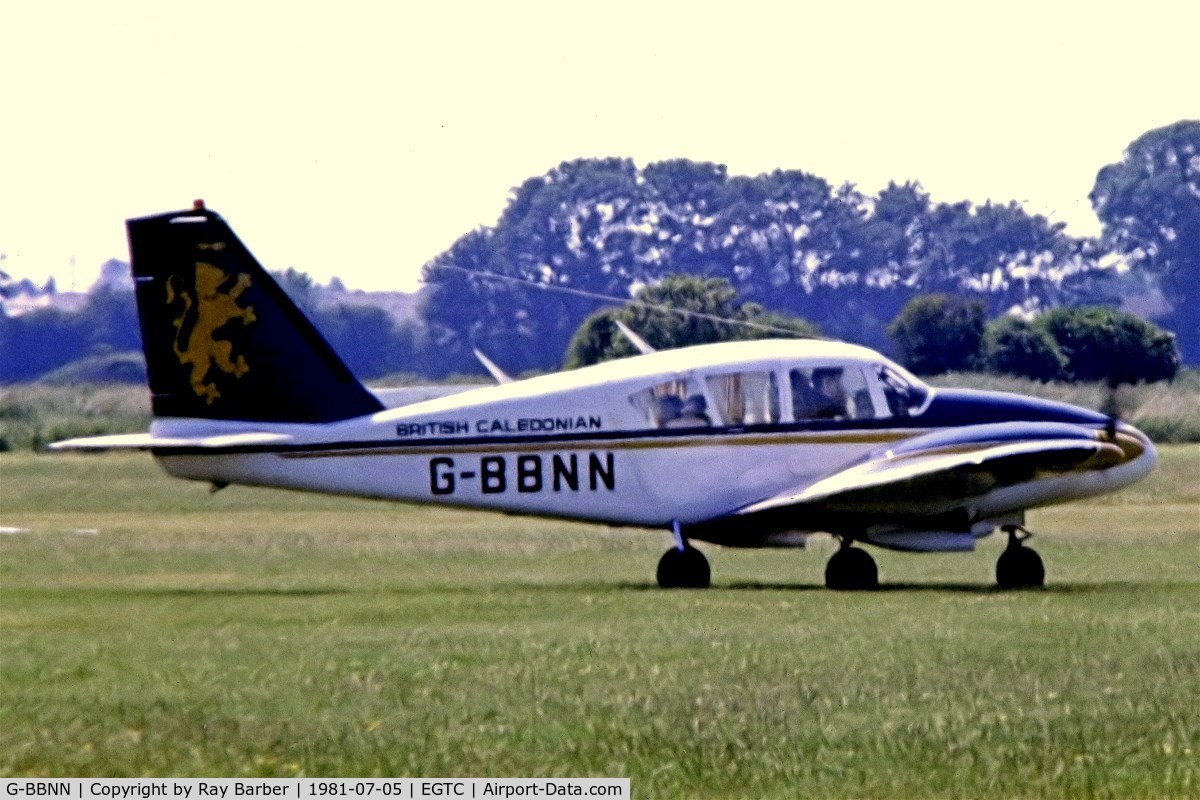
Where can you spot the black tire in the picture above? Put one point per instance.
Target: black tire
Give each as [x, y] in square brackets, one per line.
[851, 569]
[683, 569]
[1020, 568]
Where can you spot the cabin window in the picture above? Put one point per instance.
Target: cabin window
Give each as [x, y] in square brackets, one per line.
[678, 403]
[830, 392]
[745, 398]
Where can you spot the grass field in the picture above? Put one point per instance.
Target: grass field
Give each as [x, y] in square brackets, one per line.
[150, 628]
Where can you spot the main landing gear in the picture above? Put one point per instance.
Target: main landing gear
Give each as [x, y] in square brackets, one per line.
[683, 566]
[851, 569]
[1019, 567]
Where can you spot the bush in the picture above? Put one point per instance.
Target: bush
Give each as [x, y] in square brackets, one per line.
[1013, 346]
[598, 339]
[1104, 344]
[109, 368]
[32, 415]
[938, 333]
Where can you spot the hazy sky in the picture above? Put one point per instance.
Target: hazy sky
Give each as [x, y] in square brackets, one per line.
[361, 139]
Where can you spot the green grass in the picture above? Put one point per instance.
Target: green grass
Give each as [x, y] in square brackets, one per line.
[254, 632]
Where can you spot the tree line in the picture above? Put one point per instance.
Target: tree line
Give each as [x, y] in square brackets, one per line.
[794, 243]
[98, 342]
[786, 251]
[941, 333]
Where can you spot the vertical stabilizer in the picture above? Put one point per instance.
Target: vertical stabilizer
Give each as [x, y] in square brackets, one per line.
[222, 339]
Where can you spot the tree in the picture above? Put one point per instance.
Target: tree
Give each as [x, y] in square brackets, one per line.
[1110, 345]
[684, 199]
[716, 314]
[896, 233]
[1013, 346]
[938, 333]
[598, 339]
[777, 232]
[46, 339]
[576, 229]
[110, 316]
[1149, 205]
[364, 337]
[300, 287]
[999, 252]
[40, 341]
[787, 239]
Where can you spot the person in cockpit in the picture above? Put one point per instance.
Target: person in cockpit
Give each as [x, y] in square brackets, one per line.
[693, 414]
[666, 410]
[832, 402]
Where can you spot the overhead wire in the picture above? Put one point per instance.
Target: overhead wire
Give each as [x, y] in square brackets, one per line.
[685, 312]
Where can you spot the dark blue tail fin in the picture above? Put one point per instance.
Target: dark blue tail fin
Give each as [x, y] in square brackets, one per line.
[222, 339]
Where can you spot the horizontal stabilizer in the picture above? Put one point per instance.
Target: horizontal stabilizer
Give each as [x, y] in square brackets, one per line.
[148, 441]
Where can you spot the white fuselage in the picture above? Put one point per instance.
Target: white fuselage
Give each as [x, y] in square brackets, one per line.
[585, 444]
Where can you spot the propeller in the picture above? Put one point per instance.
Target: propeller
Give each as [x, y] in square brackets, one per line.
[1116, 405]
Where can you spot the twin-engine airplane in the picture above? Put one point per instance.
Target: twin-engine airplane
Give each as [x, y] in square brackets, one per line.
[742, 444]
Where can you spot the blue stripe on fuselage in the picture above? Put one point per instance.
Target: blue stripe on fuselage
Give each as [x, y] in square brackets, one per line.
[953, 407]
[993, 433]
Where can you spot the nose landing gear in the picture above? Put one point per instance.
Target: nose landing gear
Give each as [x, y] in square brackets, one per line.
[683, 569]
[1019, 567]
[683, 566]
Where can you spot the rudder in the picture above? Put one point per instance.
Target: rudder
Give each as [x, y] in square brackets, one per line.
[222, 339]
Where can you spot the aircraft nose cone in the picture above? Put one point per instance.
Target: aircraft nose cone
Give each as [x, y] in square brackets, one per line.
[1127, 455]
[1139, 452]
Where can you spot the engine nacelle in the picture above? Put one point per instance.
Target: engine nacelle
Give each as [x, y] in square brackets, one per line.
[794, 539]
[929, 541]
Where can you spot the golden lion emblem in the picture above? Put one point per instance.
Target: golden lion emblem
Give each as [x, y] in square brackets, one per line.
[201, 350]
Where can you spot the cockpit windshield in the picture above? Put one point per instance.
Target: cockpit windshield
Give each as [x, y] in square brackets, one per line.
[905, 393]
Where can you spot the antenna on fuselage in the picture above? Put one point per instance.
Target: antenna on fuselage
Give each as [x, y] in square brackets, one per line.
[500, 375]
[638, 342]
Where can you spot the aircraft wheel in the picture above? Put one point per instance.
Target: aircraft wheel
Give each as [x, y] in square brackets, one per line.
[683, 569]
[1020, 568]
[851, 569]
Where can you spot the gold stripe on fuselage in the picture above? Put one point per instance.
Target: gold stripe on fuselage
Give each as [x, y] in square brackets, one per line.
[633, 443]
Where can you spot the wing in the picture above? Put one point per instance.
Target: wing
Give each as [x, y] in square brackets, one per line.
[940, 473]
